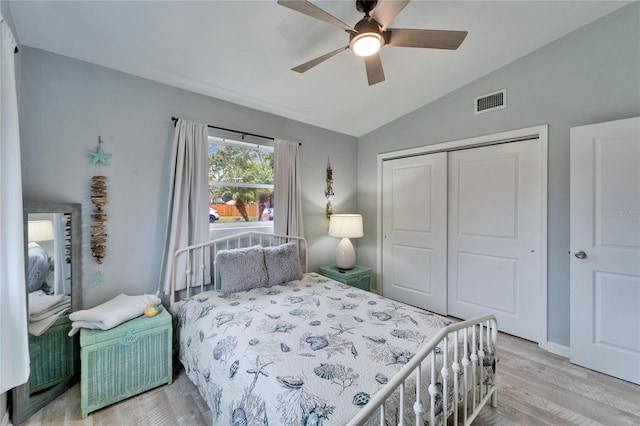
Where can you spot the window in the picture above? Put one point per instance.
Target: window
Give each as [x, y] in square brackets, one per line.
[240, 183]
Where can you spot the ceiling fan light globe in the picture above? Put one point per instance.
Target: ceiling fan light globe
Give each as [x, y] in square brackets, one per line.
[366, 44]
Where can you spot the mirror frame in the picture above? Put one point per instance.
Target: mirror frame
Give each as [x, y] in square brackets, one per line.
[23, 404]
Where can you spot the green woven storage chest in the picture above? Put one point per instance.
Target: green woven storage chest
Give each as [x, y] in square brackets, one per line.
[124, 361]
[51, 356]
[358, 276]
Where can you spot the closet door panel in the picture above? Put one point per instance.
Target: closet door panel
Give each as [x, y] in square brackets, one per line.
[414, 223]
[498, 293]
[488, 210]
[494, 236]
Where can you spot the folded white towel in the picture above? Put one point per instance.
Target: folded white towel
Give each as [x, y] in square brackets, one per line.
[112, 313]
[54, 310]
[40, 302]
[37, 328]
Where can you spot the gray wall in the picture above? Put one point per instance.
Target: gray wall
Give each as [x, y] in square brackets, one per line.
[66, 104]
[591, 75]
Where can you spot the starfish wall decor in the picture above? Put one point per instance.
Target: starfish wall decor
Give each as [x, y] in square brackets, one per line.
[99, 156]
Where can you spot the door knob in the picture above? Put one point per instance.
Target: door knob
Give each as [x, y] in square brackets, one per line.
[580, 254]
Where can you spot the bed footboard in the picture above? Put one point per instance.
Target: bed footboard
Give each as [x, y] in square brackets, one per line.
[466, 353]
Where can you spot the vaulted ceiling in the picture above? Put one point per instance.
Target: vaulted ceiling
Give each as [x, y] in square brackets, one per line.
[242, 51]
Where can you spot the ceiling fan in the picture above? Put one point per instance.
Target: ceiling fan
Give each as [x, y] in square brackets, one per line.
[370, 34]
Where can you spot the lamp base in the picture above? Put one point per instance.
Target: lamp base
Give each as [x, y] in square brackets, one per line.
[345, 255]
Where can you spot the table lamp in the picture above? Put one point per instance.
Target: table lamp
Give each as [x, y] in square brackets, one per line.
[345, 226]
[40, 230]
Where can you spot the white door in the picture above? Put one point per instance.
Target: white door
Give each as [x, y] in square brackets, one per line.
[605, 248]
[495, 231]
[414, 226]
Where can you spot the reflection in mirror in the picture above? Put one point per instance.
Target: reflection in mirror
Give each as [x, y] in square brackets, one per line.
[49, 299]
[48, 246]
[52, 268]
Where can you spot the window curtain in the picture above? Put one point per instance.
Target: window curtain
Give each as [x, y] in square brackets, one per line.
[288, 195]
[14, 351]
[188, 200]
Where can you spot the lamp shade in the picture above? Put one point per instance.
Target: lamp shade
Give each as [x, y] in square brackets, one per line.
[346, 226]
[40, 230]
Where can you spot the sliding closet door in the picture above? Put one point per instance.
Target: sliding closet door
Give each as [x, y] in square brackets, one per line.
[414, 226]
[495, 235]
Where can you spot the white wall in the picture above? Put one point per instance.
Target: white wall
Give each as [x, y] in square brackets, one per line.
[591, 75]
[66, 104]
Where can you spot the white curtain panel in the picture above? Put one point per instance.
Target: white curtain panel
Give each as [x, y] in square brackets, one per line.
[288, 195]
[188, 200]
[14, 350]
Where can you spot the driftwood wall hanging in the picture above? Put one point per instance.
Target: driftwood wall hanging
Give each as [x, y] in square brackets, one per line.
[67, 237]
[99, 215]
[328, 192]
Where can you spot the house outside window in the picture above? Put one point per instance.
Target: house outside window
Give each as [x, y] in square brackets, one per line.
[240, 186]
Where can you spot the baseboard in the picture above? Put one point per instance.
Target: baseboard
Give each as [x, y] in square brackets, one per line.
[558, 349]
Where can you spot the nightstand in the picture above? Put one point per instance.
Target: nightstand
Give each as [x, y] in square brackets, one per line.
[358, 276]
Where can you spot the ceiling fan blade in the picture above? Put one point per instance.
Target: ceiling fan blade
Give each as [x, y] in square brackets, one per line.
[432, 39]
[314, 11]
[387, 10]
[375, 73]
[312, 63]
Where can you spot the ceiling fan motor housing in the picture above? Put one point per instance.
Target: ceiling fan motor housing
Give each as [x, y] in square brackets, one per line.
[366, 25]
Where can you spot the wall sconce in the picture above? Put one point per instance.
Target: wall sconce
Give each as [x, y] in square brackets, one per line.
[328, 192]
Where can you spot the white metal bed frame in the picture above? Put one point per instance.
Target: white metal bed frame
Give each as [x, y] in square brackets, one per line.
[478, 338]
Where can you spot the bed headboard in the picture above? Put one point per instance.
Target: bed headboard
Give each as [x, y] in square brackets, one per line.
[200, 259]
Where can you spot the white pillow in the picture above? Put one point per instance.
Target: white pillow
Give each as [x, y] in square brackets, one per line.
[283, 263]
[241, 269]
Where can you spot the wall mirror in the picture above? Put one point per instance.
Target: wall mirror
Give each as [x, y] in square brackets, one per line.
[52, 235]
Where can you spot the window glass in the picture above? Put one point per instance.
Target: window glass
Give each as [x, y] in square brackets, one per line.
[240, 182]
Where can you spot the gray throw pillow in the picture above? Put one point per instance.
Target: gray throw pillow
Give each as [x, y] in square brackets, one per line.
[241, 269]
[283, 263]
[38, 268]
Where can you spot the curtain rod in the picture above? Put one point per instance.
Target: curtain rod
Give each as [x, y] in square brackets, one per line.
[175, 120]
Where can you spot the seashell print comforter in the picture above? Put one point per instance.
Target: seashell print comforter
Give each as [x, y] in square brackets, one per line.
[307, 352]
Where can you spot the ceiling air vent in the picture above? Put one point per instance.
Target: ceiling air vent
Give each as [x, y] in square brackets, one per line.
[490, 102]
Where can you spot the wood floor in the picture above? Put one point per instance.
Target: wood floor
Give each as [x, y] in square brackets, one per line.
[534, 388]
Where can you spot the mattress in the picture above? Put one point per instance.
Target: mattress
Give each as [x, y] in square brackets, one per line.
[307, 352]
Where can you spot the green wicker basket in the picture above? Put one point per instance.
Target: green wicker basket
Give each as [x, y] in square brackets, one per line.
[124, 361]
[51, 356]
